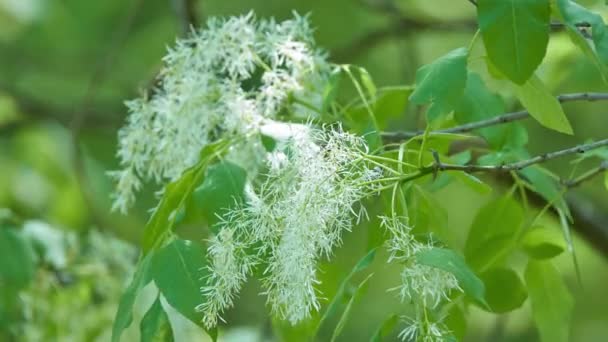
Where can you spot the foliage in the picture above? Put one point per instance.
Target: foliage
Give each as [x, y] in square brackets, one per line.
[274, 160]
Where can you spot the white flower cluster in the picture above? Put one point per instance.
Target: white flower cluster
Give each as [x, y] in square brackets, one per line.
[294, 217]
[423, 284]
[224, 80]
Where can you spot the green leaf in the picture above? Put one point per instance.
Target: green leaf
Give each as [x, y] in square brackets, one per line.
[543, 243]
[177, 270]
[456, 323]
[391, 103]
[573, 14]
[606, 180]
[385, 329]
[450, 261]
[479, 103]
[504, 289]
[543, 106]
[359, 291]
[124, 315]
[155, 326]
[174, 197]
[542, 183]
[222, 187]
[552, 303]
[17, 260]
[342, 293]
[515, 34]
[428, 216]
[441, 83]
[492, 233]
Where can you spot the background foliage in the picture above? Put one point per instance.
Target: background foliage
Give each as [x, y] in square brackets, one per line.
[65, 69]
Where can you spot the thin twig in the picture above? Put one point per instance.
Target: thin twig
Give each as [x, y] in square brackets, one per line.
[497, 120]
[186, 13]
[517, 166]
[572, 183]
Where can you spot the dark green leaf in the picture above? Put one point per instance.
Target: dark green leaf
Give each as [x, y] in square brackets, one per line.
[492, 232]
[385, 329]
[358, 292]
[456, 323]
[441, 83]
[17, 260]
[177, 270]
[543, 106]
[155, 326]
[504, 289]
[342, 293]
[174, 197]
[552, 303]
[124, 315]
[515, 34]
[222, 188]
[450, 261]
[543, 243]
[573, 14]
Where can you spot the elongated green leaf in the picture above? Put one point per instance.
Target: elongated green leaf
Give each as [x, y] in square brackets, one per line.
[342, 294]
[515, 34]
[450, 261]
[542, 183]
[124, 315]
[573, 14]
[552, 303]
[155, 326]
[543, 106]
[606, 180]
[543, 243]
[385, 329]
[359, 291]
[174, 198]
[441, 83]
[17, 259]
[504, 289]
[492, 233]
[177, 270]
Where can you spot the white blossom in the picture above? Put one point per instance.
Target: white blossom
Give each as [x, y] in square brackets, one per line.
[208, 90]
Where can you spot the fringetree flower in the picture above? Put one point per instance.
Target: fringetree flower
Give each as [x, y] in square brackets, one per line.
[424, 285]
[225, 80]
[294, 217]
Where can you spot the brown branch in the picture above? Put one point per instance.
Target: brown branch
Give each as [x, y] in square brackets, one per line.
[497, 120]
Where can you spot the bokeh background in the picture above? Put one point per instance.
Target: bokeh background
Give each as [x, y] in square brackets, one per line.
[66, 66]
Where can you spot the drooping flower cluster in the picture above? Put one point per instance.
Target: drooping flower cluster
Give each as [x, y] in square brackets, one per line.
[224, 80]
[293, 218]
[425, 285]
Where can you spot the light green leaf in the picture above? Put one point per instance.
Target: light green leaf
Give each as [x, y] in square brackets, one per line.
[573, 14]
[515, 34]
[359, 291]
[450, 261]
[543, 243]
[441, 83]
[17, 259]
[552, 303]
[155, 326]
[545, 185]
[124, 315]
[492, 233]
[177, 270]
[543, 106]
[504, 289]
[456, 323]
[174, 198]
[606, 180]
[342, 294]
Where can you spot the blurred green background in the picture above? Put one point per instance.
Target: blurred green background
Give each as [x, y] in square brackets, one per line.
[66, 66]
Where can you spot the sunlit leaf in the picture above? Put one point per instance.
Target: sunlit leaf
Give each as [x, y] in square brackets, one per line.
[543, 106]
[515, 34]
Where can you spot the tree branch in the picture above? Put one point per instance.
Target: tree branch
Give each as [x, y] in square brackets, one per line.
[497, 120]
